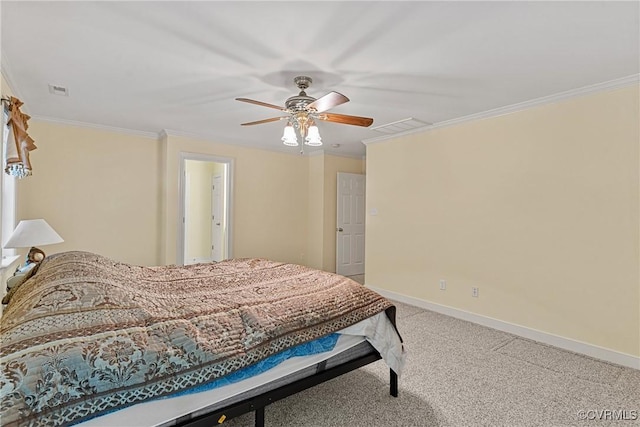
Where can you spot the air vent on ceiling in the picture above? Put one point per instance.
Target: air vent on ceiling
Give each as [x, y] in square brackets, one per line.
[401, 126]
[58, 90]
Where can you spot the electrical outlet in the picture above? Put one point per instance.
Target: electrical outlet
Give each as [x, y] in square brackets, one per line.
[474, 292]
[443, 284]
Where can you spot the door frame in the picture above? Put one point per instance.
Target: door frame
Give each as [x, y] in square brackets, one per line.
[228, 209]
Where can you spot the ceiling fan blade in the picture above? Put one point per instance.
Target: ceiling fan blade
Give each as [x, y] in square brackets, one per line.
[273, 119]
[330, 100]
[264, 104]
[347, 120]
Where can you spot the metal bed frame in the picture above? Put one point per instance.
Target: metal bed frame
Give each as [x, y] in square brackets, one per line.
[259, 402]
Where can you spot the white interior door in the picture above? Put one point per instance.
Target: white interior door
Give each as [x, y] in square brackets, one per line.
[350, 224]
[217, 219]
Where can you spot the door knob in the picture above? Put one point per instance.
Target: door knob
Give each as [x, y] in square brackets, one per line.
[339, 229]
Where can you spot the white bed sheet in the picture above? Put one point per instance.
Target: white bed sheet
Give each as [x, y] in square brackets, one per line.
[378, 330]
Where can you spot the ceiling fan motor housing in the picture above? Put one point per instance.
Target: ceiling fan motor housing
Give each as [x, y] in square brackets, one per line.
[299, 102]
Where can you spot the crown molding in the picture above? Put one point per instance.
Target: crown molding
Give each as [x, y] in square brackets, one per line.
[208, 138]
[133, 132]
[347, 155]
[501, 111]
[278, 148]
[163, 135]
[334, 154]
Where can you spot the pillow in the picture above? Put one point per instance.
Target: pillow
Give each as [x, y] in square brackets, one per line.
[15, 281]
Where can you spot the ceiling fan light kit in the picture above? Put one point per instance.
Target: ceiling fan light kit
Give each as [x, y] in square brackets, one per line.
[289, 138]
[313, 137]
[304, 110]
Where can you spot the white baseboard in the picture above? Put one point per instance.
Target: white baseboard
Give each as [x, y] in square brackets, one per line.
[591, 350]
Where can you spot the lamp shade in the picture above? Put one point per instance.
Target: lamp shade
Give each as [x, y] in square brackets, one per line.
[313, 138]
[33, 232]
[289, 137]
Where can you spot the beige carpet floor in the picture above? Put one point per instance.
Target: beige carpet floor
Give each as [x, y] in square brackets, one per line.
[462, 374]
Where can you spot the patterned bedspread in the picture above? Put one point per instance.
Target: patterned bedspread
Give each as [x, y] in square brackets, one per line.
[87, 334]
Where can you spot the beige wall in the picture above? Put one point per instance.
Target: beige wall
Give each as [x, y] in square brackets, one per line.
[539, 209]
[323, 172]
[315, 243]
[117, 195]
[97, 189]
[269, 199]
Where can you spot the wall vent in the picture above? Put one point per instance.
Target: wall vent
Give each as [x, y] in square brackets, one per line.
[58, 90]
[401, 126]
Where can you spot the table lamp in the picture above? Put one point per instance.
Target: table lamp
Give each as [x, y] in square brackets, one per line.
[31, 233]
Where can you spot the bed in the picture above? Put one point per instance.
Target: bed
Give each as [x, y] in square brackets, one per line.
[91, 341]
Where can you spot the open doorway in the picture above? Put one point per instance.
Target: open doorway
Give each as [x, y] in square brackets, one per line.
[205, 223]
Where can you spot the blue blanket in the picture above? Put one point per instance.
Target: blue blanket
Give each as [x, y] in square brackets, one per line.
[319, 345]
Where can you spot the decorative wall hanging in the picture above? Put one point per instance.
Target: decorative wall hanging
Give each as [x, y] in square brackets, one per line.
[19, 143]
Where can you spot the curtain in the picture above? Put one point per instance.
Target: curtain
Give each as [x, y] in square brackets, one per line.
[19, 143]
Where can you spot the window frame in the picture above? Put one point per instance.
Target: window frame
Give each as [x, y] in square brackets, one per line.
[8, 198]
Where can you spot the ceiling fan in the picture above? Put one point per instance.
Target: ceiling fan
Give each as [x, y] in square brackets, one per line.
[302, 112]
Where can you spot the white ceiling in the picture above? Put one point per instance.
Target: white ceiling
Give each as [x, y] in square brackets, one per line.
[149, 66]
